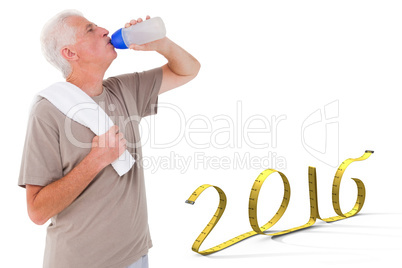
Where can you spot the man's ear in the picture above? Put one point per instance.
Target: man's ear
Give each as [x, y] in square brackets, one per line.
[69, 54]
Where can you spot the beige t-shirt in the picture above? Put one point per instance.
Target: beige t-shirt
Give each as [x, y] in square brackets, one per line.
[107, 224]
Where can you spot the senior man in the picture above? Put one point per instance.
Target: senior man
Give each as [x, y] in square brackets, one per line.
[98, 218]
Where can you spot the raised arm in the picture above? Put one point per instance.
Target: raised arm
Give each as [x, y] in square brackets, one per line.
[181, 67]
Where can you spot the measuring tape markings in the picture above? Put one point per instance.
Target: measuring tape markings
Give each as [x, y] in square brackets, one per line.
[253, 200]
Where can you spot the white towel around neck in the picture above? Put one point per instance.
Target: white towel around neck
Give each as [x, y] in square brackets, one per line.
[80, 107]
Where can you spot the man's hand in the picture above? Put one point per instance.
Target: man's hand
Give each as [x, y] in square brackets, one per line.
[44, 202]
[108, 147]
[181, 67]
[133, 22]
[151, 46]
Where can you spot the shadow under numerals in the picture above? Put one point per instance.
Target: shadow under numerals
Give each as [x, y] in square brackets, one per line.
[350, 236]
[339, 239]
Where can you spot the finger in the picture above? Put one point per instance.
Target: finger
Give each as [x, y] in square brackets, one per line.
[122, 150]
[136, 47]
[133, 46]
[114, 129]
[147, 17]
[95, 141]
[139, 20]
[122, 147]
[127, 25]
[132, 22]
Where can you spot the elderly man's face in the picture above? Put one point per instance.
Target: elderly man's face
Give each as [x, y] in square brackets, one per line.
[92, 43]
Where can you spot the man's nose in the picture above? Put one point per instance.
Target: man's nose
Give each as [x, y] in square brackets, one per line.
[104, 32]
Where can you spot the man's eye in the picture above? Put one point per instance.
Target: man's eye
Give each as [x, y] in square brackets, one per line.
[91, 28]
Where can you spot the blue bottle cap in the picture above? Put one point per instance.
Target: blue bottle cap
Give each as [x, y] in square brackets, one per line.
[117, 40]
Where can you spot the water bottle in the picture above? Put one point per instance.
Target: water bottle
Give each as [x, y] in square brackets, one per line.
[139, 33]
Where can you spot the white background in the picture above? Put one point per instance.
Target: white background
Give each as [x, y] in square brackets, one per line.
[277, 58]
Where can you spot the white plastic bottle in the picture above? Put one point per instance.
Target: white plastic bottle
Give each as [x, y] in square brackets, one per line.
[140, 33]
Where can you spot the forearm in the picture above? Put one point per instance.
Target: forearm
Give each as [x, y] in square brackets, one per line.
[55, 197]
[179, 61]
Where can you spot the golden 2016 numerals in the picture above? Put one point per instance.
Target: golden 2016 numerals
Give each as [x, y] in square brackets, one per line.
[252, 209]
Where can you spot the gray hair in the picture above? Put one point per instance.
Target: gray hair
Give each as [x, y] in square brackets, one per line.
[55, 35]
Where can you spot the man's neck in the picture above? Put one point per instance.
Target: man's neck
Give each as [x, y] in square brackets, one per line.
[89, 82]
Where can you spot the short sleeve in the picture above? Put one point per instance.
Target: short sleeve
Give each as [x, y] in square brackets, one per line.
[41, 160]
[143, 86]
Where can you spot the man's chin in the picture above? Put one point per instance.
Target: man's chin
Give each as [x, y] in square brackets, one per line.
[115, 53]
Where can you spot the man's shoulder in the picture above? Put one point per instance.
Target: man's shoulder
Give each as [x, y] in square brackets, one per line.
[42, 107]
[118, 80]
[45, 111]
